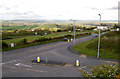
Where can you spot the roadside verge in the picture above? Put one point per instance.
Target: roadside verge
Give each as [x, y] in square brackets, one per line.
[70, 48]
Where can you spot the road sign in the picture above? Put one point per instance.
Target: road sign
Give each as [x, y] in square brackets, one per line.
[12, 44]
[77, 63]
[38, 59]
[68, 40]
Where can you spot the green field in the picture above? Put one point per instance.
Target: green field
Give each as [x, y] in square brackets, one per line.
[108, 48]
[37, 43]
[51, 27]
[33, 37]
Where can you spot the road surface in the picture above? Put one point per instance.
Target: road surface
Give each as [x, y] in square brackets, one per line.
[17, 63]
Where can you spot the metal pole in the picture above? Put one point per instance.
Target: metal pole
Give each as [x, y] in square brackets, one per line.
[74, 34]
[74, 31]
[99, 37]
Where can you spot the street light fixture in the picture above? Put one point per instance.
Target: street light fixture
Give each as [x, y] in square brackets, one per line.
[99, 36]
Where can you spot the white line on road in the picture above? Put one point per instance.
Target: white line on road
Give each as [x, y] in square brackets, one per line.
[36, 70]
[10, 67]
[81, 67]
[20, 64]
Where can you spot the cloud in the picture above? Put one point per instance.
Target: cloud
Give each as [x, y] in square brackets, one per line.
[114, 8]
[94, 8]
[57, 9]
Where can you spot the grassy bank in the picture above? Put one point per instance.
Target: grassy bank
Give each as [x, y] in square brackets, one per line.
[33, 37]
[28, 45]
[38, 43]
[108, 48]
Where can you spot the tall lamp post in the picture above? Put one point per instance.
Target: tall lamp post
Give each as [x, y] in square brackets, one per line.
[99, 36]
[73, 28]
[74, 31]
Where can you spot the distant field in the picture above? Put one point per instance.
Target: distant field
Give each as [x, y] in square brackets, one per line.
[49, 24]
[51, 27]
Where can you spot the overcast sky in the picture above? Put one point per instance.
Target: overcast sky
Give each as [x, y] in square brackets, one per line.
[59, 9]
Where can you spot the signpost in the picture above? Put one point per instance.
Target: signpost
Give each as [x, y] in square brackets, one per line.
[12, 44]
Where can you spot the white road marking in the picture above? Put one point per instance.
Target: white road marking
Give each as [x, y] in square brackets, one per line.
[9, 61]
[10, 67]
[82, 67]
[2, 63]
[20, 64]
[4, 52]
[36, 70]
[24, 58]
[33, 54]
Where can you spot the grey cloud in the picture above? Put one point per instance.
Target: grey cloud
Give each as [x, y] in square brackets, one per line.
[4, 7]
[114, 8]
[94, 8]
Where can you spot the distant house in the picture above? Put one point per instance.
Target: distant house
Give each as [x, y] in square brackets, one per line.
[95, 29]
[102, 27]
[32, 30]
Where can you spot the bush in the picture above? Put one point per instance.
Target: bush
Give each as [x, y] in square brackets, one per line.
[23, 41]
[42, 39]
[102, 71]
[4, 45]
[59, 30]
[68, 36]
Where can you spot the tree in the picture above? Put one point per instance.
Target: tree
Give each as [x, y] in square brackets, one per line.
[59, 30]
[103, 71]
[23, 41]
[4, 45]
[115, 26]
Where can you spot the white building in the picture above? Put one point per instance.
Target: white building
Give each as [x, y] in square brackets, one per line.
[103, 27]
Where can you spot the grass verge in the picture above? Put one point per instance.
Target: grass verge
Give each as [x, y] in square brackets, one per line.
[108, 47]
[28, 45]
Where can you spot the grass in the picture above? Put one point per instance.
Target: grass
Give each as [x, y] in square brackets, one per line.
[38, 43]
[28, 45]
[33, 37]
[108, 47]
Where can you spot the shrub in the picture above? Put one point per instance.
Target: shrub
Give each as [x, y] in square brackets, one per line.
[68, 36]
[42, 39]
[102, 71]
[4, 45]
[59, 30]
[23, 41]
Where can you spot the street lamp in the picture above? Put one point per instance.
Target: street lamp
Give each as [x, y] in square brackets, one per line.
[99, 37]
[73, 28]
[74, 31]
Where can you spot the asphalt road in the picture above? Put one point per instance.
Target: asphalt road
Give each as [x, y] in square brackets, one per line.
[17, 63]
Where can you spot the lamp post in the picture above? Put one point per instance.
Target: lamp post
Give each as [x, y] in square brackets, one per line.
[99, 37]
[73, 28]
[74, 31]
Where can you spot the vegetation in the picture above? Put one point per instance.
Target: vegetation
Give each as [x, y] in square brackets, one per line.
[42, 40]
[28, 45]
[26, 32]
[116, 26]
[103, 71]
[16, 39]
[4, 45]
[108, 46]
